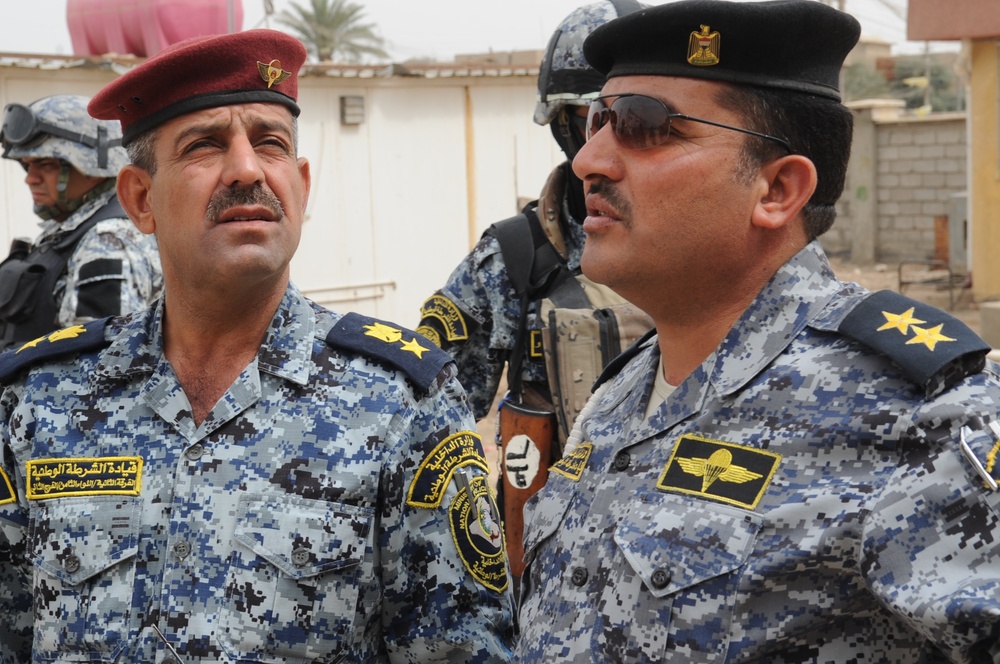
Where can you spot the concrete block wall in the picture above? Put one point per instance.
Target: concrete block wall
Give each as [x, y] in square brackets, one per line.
[913, 168]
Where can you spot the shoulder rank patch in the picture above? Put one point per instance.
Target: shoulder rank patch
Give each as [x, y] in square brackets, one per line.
[432, 478]
[478, 536]
[923, 341]
[442, 321]
[405, 350]
[101, 476]
[717, 470]
[573, 462]
[7, 494]
[61, 342]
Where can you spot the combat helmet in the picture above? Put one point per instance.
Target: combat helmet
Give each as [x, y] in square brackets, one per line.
[565, 78]
[59, 127]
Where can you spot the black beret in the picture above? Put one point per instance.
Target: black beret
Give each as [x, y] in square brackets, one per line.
[788, 44]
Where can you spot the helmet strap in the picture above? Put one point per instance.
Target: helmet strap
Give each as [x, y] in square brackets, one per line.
[570, 139]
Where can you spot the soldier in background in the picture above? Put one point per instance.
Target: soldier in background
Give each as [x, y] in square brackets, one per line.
[792, 468]
[519, 301]
[90, 260]
[236, 474]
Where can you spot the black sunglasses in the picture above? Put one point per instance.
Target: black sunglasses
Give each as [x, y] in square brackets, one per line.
[640, 122]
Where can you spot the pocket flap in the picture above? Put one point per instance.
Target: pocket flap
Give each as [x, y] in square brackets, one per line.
[673, 544]
[303, 537]
[82, 537]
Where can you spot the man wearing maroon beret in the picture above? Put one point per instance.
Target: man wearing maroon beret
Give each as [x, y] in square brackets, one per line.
[237, 474]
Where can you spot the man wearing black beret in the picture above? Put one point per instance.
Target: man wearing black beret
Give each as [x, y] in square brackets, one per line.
[789, 468]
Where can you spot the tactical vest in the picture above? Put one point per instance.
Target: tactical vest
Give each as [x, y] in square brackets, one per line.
[584, 325]
[28, 276]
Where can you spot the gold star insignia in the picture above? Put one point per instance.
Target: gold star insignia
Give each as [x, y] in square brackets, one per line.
[719, 466]
[414, 347]
[390, 335]
[928, 336]
[272, 73]
[901, 322]
[67, 333]
[32, 343]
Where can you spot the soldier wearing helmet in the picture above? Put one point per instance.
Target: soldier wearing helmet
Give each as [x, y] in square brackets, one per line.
[90, 260]
[519, 302]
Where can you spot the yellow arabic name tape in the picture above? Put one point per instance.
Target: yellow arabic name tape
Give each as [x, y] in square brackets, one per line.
[100, 476]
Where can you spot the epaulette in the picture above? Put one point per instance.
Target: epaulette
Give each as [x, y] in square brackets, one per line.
[932, 348]
[404, 349]
[73, 339]
[616, 365]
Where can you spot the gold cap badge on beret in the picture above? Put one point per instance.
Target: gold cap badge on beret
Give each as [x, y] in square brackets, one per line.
[272, 73]
[703, 47]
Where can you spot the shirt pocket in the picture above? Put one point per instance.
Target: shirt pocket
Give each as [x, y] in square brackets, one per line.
[292, 588]
[689, 555]
[543, 513]
[84, 557]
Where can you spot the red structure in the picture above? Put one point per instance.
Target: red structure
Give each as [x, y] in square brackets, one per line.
[145, 27]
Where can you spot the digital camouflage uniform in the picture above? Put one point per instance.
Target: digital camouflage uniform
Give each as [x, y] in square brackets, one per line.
[321, 512]
[483, 312]
[798, 498]
[113, 250]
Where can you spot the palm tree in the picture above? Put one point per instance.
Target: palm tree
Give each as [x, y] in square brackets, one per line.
[331, 28]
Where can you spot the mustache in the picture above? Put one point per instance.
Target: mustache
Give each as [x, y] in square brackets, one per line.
[243, 196]
[610, 192]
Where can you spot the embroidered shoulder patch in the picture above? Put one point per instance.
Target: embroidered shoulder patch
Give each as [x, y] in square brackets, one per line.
[440, 315]
[717, 470]
[100, 476]
[574, 462]
[73, 339]
[403, 349]
[478, 536]
[432, 478]
[7, 494]
[923, 341]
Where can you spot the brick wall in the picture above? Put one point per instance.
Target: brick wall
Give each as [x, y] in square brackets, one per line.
[920, 166]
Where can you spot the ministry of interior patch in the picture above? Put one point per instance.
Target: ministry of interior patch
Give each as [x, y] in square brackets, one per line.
[717, 470]
[431, 479]
[102, 476]
[477, 532]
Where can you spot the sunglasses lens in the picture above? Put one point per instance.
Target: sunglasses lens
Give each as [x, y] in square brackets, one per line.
[18, 124]
[638, 122]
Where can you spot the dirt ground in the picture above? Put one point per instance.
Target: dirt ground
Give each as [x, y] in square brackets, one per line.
[920, 282]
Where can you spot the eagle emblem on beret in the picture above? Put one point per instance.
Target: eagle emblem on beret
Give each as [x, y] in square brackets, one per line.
[703, 47]
[272, 73]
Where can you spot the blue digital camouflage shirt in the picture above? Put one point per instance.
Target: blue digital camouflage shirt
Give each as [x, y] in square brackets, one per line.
[331, 507]
[800, 497]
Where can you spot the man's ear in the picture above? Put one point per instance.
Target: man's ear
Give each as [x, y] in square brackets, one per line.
[788, 183]
[135, 194]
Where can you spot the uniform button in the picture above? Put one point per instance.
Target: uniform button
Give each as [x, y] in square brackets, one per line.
[195, 452]
[71, 564]
[579, 576]
[622, 460]
[660, 579]
[300, 557]
[182, 549]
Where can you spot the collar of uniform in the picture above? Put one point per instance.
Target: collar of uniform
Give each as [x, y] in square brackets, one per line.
[288, 345]
[286, 351]
[80, 215]
[797, 293]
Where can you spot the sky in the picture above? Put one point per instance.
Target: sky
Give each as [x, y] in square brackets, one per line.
[436, 29]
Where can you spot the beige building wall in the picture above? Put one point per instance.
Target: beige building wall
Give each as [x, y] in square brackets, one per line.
[984, 178]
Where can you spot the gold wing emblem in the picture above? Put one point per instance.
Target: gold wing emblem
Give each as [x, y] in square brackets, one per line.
[719, 466]
[272, 73]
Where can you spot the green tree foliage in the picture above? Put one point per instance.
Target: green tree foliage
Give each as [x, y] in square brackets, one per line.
[333, 28]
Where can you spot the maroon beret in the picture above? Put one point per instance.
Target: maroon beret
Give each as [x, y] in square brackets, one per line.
[795, 45]
[203, 72]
